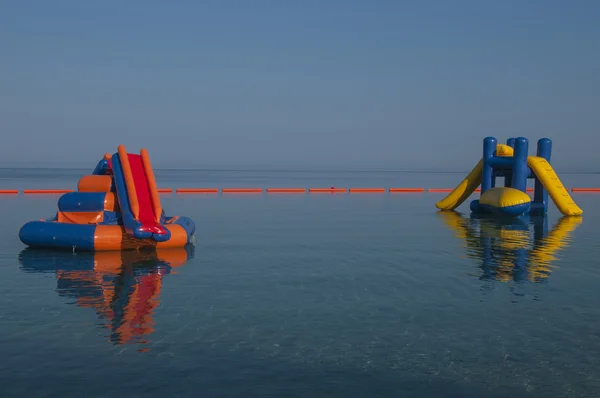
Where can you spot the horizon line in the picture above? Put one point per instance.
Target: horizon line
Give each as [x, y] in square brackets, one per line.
[345, 170]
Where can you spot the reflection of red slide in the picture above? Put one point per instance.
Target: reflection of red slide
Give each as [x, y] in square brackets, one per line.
[123, 287]
[137, 320]
[146, 215]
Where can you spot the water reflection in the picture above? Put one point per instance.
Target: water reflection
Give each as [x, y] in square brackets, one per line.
[122, 287]
[514, 249]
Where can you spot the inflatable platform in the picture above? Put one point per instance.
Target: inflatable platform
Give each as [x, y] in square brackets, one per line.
[117, 207]
[512, 162]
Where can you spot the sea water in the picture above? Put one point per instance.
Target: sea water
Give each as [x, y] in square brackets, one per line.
[306, 295]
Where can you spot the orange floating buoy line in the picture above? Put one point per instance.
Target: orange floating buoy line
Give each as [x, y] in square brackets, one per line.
[366, 190]
[196, 190]
[439, 190]
[283, 190]
[242, 190]
[409, 190]
[585, 190]
[286, 190]
[327, 190]
[46, 191]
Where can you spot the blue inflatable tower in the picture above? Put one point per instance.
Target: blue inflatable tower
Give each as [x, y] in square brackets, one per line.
[512, 199]
[512, 162]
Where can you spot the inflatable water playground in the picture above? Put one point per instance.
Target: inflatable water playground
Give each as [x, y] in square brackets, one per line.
[512, 162]
[117, 207]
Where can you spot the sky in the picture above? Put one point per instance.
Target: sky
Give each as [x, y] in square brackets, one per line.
[271, 84]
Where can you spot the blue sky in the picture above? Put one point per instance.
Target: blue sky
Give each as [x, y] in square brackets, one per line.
[298, 84]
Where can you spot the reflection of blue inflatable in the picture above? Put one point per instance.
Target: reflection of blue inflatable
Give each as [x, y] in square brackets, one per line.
[121, 286]
[512, 248]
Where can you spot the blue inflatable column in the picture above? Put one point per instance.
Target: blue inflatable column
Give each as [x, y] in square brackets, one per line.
[487, 176]
[540, 195]
[508, 173]
[520, 169]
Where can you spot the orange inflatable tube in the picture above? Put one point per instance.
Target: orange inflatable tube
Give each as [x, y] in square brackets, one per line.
[151, 184]
[130, 184]
[114, 237]
[95, 183]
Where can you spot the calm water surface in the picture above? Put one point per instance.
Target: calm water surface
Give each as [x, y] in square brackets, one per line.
[306, 295]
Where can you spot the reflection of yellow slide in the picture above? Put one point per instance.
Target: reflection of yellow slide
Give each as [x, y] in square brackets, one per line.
[456, 223]
[556, 240]
[470, 183]
[545, 173]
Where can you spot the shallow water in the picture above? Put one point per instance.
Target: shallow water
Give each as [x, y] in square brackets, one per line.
[306, 295]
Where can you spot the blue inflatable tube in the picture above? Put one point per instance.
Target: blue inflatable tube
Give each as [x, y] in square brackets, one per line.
[82, 201]
[52, 234]
[83, 237]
